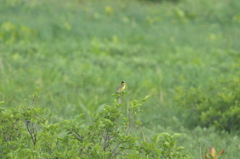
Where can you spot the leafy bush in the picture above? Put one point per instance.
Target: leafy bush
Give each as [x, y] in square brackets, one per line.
[216, 106]
[26, 133]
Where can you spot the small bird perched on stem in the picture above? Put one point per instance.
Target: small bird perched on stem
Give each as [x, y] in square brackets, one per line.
[121, 87]
[119, 90]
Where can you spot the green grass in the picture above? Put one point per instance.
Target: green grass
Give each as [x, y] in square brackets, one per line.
[80, 51]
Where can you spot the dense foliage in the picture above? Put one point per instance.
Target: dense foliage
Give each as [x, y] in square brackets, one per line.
[218, 105]
[25, 132]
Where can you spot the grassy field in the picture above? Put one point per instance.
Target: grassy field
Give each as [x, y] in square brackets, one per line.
[80, 51]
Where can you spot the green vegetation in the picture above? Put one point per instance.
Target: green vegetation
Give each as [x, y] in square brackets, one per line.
[222, 111]
[185, 55]
[26, 133]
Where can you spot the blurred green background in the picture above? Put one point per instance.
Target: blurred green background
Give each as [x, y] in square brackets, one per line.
[79, 51]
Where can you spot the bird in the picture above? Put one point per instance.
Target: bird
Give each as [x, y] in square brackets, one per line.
[121, 87]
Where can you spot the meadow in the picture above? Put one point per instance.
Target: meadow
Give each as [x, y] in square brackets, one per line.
[78, 52]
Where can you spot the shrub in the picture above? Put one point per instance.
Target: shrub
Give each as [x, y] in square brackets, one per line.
[25, 132]
[218, 105]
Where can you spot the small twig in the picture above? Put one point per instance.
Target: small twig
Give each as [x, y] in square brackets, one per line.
[76, 135]
[119, 100]
[143, 135]
[115, 149]
[117, 153]
[130, 123]
[107, 139]
[31, 132]
[200, 150]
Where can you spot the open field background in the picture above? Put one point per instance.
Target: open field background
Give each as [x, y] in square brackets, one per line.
[80, 51]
